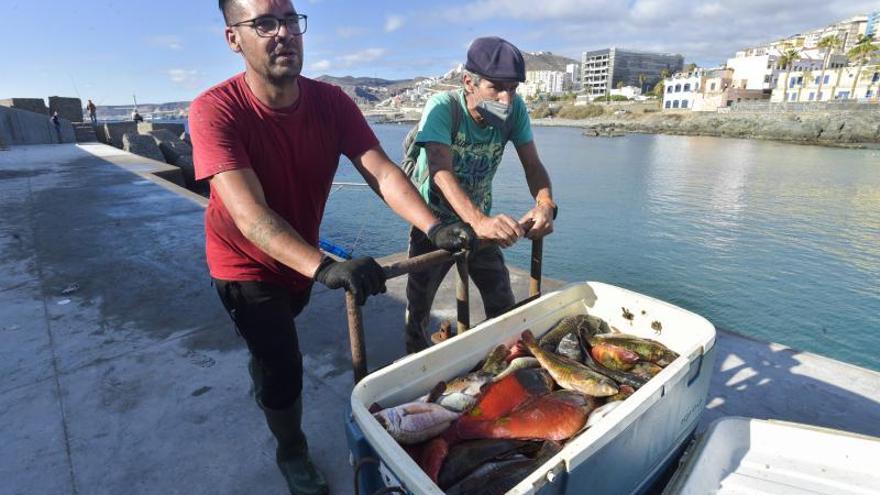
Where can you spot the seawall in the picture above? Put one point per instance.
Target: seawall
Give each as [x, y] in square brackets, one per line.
[851, 129]
[18, 127]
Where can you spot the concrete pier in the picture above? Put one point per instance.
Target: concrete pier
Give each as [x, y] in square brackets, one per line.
[122, 373]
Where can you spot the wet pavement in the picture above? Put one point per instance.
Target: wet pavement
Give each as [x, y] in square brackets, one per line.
[122, 373]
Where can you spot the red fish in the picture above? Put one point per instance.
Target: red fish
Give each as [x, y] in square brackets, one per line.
[554, 416]
[432, 455]
[503, 396]
[614, 357]
[518, 350]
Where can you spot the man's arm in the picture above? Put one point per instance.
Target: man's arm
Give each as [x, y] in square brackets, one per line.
[391, 184]
[539, 185]
[500, 228]
[242, 194]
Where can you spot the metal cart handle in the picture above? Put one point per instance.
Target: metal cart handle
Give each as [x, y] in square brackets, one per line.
[420, 263]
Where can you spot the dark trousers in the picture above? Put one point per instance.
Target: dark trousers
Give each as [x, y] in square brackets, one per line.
[263, 315]
[486, 268]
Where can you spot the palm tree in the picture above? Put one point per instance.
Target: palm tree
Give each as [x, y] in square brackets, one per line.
[829, 44]
[860, 55]
[642, 79]
[808, 74]
[787, 61]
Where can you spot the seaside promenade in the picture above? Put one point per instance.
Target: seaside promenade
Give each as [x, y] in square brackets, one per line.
[123, 374]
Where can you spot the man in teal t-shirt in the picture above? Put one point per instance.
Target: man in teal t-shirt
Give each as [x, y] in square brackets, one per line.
[454, 175]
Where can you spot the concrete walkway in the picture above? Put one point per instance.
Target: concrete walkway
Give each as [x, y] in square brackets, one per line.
[122, 374]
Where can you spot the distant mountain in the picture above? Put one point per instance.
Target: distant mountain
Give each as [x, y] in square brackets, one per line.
[365, 91]
[370, 90]
[546, 61]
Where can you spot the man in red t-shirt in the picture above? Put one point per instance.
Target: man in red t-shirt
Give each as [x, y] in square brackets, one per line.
[269, 141]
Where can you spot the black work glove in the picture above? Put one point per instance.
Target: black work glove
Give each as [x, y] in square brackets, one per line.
[453, 237]
[361, 276]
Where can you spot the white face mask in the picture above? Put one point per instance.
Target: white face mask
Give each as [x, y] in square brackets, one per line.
[494, 112]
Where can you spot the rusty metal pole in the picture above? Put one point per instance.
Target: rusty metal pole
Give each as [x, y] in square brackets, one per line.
[356, 338]
[462, 297]
[537, 257]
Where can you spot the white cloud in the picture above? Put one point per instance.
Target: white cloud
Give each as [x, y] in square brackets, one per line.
[704, 31]
[361, 57]
[393, 23]
[168, 41]
[321, 65]
[188, 78]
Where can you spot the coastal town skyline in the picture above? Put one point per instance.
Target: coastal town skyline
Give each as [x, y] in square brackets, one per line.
[108, 52]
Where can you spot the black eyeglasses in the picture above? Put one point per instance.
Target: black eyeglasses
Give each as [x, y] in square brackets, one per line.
[268, 26]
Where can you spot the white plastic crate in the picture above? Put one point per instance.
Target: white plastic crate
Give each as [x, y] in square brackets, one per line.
[741, 455]
[619, 455]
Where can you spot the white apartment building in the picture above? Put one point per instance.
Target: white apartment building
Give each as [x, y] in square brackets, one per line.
[707, 90]
[574, 72]
[847, 30]
[547, 82]
[681, 89]
[761, 70]
[837, 84]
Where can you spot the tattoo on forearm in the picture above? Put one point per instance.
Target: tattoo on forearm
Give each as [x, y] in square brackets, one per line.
[264, 229]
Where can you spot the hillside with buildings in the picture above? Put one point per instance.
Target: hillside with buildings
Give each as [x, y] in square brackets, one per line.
[838, 64]
[367, 91]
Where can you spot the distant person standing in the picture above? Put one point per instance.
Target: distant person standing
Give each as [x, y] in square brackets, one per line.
[136, 116]
[92, 109]
[56, 122]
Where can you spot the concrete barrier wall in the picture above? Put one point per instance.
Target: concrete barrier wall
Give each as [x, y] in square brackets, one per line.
[146, 127]
[67, 108]
[36, 105]
[114, 131]
[18, 127]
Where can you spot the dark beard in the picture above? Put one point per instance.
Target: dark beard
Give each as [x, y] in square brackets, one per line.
[283, 78]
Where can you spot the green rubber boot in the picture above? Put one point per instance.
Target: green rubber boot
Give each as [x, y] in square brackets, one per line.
[292, 453]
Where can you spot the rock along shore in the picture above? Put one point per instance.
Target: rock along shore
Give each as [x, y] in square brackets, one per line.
[854, 129]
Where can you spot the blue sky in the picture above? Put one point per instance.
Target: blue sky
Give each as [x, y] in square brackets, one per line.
[164, 50]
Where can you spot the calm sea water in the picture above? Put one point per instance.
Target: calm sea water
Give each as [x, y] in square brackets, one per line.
[776, 241]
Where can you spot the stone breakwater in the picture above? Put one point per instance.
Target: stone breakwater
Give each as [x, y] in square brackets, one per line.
[857, 129]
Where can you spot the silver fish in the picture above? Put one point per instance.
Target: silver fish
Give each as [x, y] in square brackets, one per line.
[570, 347]
[457, 401]
[495, 360]
[470, 384]
[415, 422]
[518, 364]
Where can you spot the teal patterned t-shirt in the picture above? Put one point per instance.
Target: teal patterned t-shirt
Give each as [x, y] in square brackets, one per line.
[476, 151]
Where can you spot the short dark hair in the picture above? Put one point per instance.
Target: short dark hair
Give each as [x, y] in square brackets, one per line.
[225, 7]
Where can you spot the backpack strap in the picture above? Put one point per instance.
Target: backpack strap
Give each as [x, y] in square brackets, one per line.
[412, 148]
[456, 113]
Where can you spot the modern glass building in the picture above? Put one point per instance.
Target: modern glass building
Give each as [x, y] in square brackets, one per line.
[604, 69]
[873, 28]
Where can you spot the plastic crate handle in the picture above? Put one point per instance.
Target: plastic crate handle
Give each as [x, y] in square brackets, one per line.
[698, 364]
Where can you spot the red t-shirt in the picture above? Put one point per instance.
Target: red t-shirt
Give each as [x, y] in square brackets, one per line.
[293, 151]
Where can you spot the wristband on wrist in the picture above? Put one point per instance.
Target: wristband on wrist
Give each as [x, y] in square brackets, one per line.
[549, 203]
